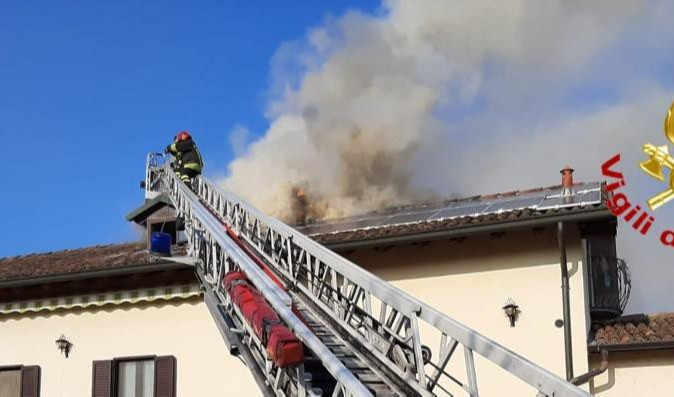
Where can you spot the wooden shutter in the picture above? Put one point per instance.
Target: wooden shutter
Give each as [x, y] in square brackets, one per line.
[101, 385]
[30, 381]
[165, 376]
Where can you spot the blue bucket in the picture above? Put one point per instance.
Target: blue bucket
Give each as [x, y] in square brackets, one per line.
[160, 244]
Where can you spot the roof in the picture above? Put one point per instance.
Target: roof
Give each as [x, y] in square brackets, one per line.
[635, 332]
[421, 220]
[68, 262]
[148, 208]
[507, 210]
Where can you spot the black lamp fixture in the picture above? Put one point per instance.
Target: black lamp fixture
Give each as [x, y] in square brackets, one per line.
[64, 345]
[511, 311]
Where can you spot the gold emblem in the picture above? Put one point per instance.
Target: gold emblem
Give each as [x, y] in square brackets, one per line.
[659, 159]
[669, 124]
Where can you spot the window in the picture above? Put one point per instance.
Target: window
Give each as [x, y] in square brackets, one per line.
[147, 376]
[20, 381]
[135, 378]
[10, 383]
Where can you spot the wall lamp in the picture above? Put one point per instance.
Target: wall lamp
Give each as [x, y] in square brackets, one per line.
[511, 311]
[64, 345]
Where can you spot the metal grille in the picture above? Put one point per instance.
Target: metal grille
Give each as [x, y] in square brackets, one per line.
[610, 286]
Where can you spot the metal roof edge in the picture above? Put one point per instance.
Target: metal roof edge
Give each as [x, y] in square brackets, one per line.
[631, 347]
[592, 214]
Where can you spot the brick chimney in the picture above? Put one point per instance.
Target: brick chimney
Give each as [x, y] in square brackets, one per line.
[567, 181]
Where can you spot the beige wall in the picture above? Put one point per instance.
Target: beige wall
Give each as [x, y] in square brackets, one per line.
[471, 280]
[641, 373]
[183, 329]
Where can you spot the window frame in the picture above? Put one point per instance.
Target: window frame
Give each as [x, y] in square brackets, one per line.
[114, 373]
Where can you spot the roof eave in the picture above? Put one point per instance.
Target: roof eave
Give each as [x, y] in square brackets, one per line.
[141, 213]
[119, 271]
[629, 347]
[518, 224]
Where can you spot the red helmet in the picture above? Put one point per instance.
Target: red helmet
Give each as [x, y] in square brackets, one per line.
[182, 136]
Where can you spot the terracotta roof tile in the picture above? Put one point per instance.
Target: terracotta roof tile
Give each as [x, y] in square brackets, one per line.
[74, 261]
[631, 330]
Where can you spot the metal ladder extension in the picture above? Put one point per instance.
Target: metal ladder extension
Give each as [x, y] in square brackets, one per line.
[367, 336]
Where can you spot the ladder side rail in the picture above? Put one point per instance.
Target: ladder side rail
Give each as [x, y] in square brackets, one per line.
[341, 307]
[379, 288]
[207, 224]
[362, 338]
[224, 327]
[209, 270]
[543, 380]
[278, 229]
[188, 205]
[151, 183]
[253, 353]
[262, 358]
[236, 209]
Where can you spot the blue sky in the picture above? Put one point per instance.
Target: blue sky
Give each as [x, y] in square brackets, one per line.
[87, 88]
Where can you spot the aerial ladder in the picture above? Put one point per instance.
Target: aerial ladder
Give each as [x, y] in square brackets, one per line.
[361, 336]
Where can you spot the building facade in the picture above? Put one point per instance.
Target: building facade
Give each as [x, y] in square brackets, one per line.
[138, 325]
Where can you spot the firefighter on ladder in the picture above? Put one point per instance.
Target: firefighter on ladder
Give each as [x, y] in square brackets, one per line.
[188, 162]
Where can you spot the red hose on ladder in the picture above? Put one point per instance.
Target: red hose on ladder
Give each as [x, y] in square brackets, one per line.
[251, 254]
[281, 344]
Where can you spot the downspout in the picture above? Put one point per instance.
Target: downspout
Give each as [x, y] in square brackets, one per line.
[568, 355]
[579, 380]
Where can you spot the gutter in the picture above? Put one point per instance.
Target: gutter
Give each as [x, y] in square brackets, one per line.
[119, 271]
[630, 347]
[566, 305]
[589, 215]
[579, 380]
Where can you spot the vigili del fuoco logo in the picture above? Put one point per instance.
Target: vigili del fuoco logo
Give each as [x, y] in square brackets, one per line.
[659, 159]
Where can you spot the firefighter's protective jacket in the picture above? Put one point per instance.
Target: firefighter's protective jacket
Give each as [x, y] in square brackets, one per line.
[187, 154]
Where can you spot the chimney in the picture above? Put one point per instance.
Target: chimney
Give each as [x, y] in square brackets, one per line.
[567, 181]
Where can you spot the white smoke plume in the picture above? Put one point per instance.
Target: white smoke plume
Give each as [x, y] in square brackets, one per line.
[436, 98]
[362, 127]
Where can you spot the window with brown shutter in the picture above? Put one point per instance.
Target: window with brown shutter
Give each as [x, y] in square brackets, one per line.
[30, 381]
[102, 379]
[144, 376]
[20, 381]
[165, 376]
